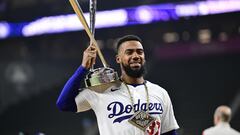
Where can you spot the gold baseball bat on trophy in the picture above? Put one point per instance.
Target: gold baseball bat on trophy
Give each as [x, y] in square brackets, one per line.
[98, 79]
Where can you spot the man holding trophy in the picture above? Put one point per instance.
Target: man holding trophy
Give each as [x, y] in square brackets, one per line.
[130, 105]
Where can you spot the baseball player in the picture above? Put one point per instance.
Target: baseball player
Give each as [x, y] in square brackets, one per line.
[222, 118]
[136, 107]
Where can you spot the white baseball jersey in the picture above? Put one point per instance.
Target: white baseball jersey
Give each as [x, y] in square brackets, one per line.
[221, 129]
[113, 108]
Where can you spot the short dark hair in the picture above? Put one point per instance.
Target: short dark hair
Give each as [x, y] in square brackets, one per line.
[225, 117]
[128, 38]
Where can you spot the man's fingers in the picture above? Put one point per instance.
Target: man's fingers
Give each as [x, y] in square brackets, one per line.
[89, 56]
[92, 55]
[94, 59]
[91, 47]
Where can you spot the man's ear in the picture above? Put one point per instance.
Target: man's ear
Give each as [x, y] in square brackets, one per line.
[118, 60]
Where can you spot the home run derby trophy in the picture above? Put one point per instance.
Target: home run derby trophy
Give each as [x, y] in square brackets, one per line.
[101, 78]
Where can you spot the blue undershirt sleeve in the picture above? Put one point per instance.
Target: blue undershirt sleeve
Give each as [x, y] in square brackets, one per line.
[172, 132]
[66, 100]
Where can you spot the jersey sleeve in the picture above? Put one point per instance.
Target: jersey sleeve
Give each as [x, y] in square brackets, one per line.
[86, 100]
[168, 120]
[65, 101]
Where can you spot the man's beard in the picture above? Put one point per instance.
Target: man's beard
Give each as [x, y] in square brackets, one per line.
[136, 73]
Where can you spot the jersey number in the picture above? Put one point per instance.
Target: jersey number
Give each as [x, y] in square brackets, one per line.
[154, 128]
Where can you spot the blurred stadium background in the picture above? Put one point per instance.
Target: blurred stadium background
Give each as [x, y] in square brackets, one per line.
[192, 49]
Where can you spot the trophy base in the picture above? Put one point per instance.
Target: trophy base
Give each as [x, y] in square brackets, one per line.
[101, 79]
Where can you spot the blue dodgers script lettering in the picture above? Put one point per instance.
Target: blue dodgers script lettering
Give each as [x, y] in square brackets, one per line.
[122, 112]
[117, 109]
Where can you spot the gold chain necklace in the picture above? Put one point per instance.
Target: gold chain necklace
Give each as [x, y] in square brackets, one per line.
[131, 97]
[140, 119]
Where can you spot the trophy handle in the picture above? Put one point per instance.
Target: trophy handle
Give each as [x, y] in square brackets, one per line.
[79, 12]
[92, 9]
[102, 78]
[92, 12]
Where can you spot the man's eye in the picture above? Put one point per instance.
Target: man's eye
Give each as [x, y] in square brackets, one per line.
[128, 52]
[140, 52]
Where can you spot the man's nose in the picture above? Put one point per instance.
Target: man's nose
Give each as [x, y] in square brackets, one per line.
[135, 56]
